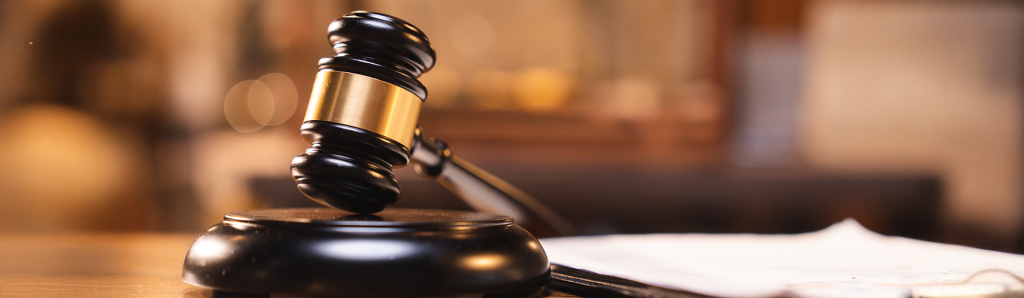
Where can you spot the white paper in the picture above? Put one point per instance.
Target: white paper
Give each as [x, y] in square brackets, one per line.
[844, 260]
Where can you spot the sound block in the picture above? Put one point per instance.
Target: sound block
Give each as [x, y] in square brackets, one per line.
[397, 252]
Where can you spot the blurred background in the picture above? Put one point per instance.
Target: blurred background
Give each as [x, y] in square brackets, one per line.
[624, 116]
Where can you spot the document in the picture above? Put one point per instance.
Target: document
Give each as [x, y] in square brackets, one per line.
[843, 260]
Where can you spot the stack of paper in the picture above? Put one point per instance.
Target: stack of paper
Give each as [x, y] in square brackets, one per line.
[844, 260]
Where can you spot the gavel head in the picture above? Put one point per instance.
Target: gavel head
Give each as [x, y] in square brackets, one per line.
[362, 114]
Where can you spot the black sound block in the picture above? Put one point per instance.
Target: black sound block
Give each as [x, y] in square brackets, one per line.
[397, 252]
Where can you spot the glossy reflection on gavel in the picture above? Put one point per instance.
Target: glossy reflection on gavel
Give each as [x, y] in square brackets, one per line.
[362, 123]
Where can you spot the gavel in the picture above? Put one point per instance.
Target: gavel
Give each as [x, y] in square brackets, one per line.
[362, 123]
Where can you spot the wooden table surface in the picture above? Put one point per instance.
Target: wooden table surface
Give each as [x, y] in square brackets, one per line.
[102, 265]
[95, 265]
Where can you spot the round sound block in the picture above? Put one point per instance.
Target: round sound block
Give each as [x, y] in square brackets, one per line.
[329, 252]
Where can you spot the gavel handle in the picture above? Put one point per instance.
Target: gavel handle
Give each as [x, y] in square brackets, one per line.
[485, 192]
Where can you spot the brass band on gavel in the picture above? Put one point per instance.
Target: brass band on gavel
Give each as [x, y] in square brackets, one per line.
[364, 102]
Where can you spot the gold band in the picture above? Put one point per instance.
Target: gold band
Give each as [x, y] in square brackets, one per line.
[365, 102]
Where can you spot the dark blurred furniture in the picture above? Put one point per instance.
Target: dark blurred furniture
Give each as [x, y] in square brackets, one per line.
[602, 201]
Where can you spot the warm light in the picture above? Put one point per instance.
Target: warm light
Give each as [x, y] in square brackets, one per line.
[484, 261]
[58, 166]
[542, 89]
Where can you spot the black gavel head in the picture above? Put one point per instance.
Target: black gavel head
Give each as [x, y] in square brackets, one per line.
[362, 114]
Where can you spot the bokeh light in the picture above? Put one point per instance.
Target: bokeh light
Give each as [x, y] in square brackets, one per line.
[260, 102]
[285, 96]
[57, 162]
[236, 108]
[253, 104]
[471, 35]
[542, 89]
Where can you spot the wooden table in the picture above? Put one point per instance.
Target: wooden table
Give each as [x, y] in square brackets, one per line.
[95, 265]
[102, 265]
